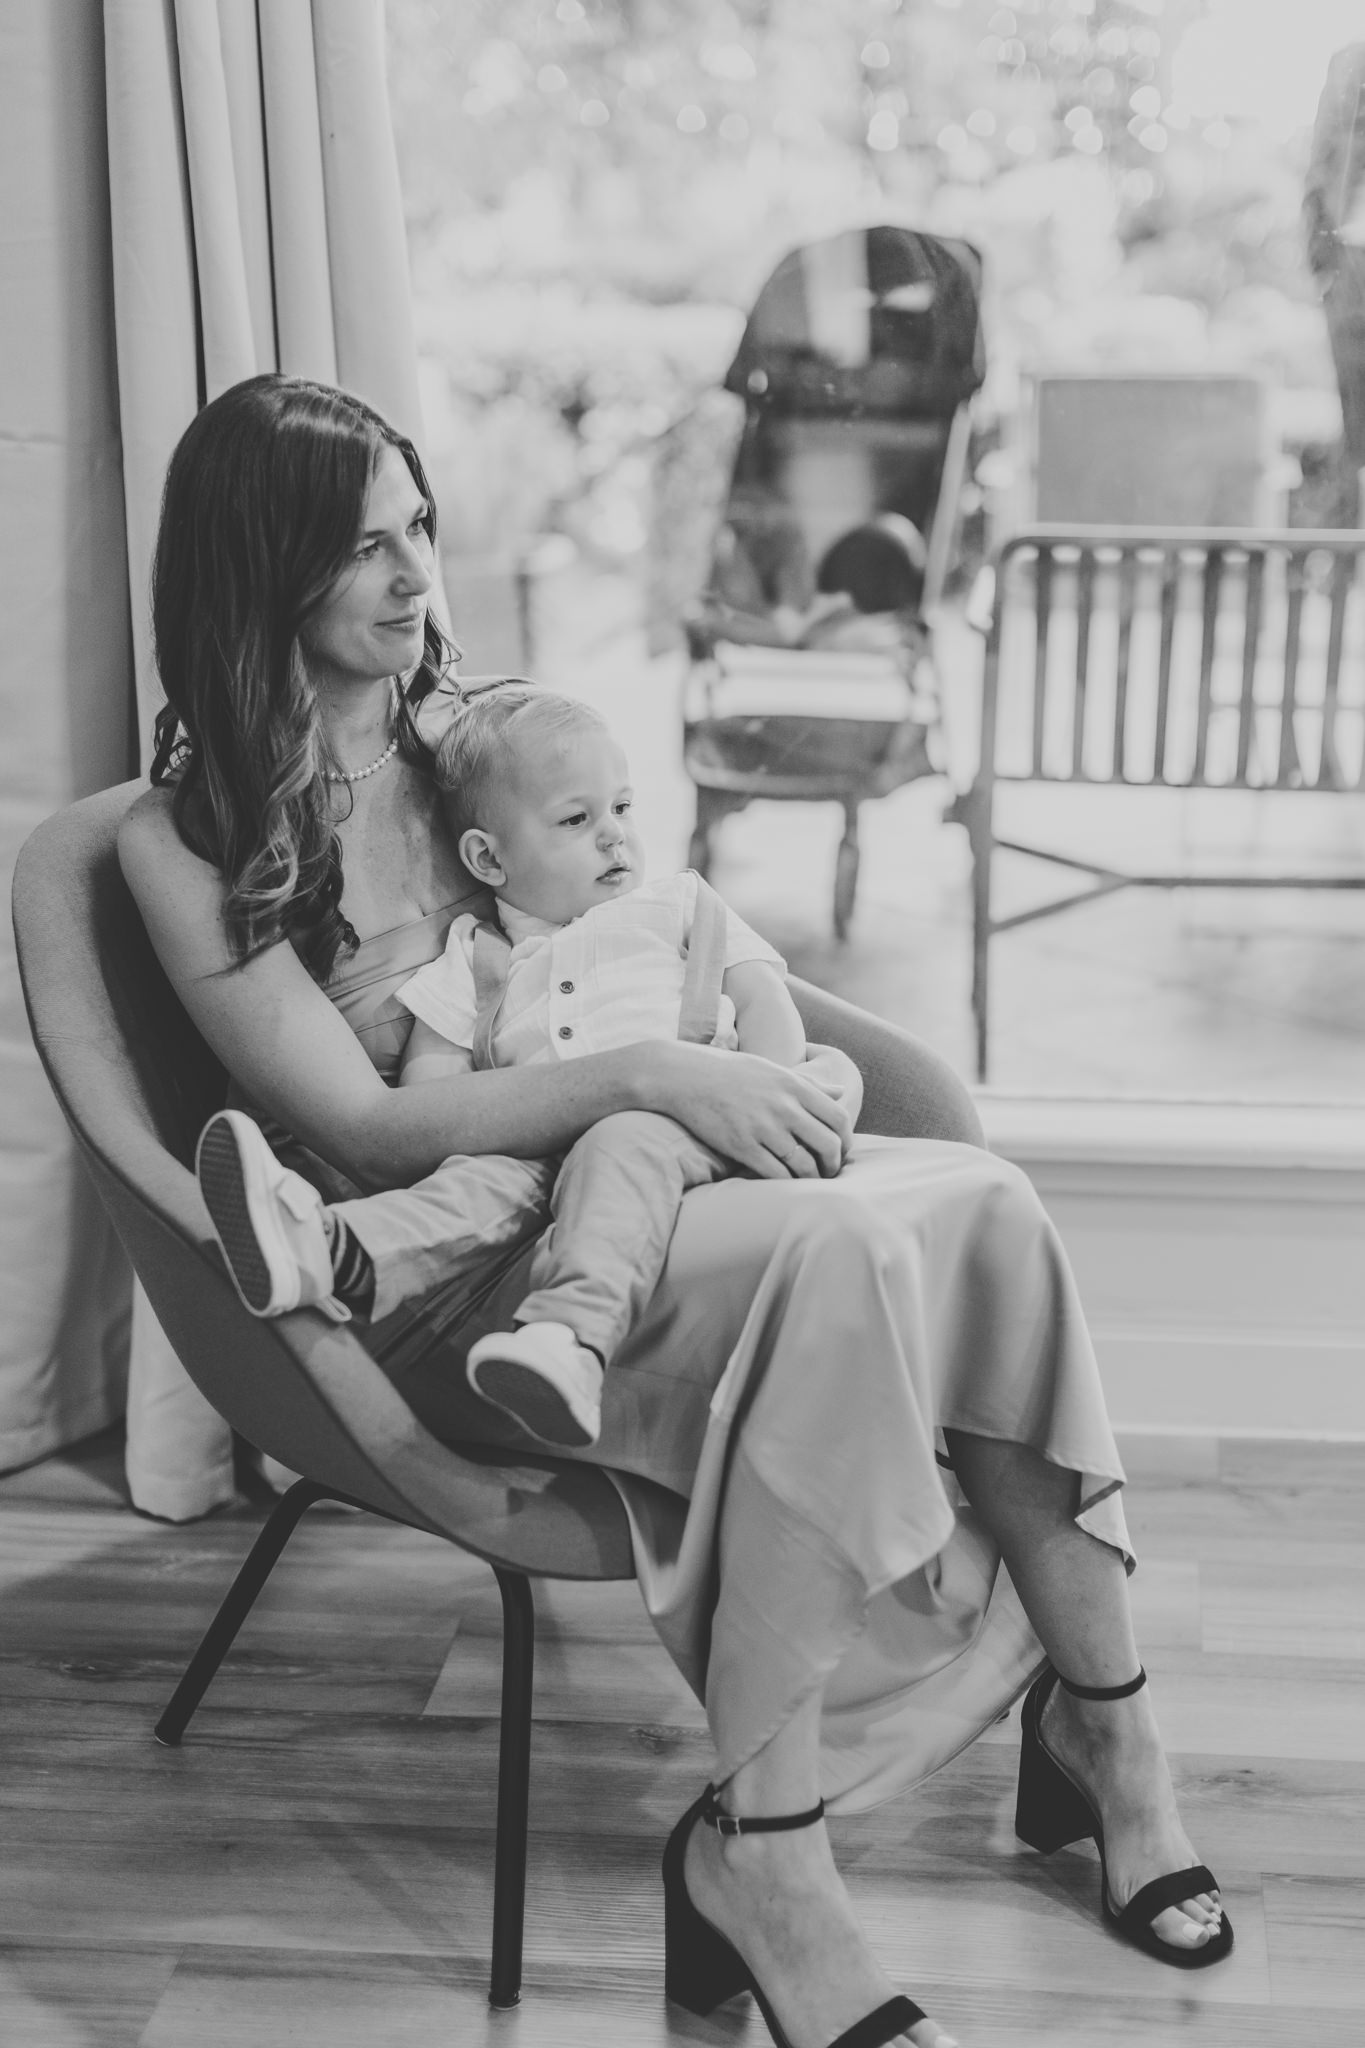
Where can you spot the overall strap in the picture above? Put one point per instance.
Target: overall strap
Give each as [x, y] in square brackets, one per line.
[492, 951]
[699, 1015]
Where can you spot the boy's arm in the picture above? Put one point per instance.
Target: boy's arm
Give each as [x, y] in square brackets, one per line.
[429, 1057]
[767, 1021]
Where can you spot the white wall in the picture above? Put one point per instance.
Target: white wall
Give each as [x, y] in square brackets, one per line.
[1220, 1253]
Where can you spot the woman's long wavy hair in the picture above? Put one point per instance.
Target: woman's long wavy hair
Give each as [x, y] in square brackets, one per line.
[263, 507]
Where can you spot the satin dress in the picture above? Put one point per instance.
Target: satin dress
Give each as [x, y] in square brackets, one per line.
[774, 1427]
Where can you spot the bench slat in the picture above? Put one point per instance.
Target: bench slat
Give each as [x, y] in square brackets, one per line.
[1127, 577]
[1330, 773]
[1042, 613]
[1253, 607]
[1289, 772]
[1213, 581]
[1085, 611]
[1170, 598]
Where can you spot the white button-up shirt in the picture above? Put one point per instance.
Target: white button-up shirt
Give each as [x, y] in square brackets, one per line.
[610, 978]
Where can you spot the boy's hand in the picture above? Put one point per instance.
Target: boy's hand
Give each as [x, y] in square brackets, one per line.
[834, 1072]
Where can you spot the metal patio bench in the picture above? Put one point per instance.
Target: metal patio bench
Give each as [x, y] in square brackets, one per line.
[1172, 659]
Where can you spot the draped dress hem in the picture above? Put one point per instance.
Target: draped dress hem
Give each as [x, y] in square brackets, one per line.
[774, 1425]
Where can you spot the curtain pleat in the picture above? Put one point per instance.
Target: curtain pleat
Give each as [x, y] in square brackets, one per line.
[367, 248]
[219, 247]
[155, 318]
[246, 122]
[298, 203]
[257, 220]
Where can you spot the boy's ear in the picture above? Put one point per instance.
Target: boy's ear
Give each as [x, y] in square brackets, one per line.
[480, 856]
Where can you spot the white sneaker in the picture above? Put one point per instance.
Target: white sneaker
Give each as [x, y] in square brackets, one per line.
[542, 1377]
[267, 1220]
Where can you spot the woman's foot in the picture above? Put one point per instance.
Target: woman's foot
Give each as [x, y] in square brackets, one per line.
[1113, 1751]
[781, 1901]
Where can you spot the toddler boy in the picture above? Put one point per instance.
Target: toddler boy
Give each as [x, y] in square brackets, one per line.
[585, 956]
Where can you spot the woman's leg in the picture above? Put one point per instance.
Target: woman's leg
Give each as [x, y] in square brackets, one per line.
[1075, 1592]
[781, 1900]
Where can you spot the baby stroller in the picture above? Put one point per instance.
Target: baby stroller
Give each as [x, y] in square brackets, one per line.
[811, 674]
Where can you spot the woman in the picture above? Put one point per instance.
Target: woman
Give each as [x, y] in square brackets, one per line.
[771, 1422]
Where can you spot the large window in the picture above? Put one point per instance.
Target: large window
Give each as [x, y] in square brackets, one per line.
[597, 191]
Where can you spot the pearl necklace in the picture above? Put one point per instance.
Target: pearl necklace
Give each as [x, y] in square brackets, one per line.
[381, 760]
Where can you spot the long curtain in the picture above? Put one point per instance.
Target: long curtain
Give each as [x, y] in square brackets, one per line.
[65, 667]
[256, 224]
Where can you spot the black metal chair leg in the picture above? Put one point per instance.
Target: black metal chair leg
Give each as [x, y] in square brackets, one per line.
[240, 1598]
[514, 1785]
[514, 1745]
[976, 812]
[846, 871]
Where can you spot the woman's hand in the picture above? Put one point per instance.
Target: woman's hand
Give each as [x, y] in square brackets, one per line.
[771, 1121]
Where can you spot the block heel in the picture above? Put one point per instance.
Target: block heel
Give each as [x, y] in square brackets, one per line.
[702, 1968]
[1052, 1811]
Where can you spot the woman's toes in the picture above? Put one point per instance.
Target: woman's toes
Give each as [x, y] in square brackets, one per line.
[1175, 1927]
[927, 2035]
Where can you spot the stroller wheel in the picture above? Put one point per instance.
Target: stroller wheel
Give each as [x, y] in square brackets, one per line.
[845, 884]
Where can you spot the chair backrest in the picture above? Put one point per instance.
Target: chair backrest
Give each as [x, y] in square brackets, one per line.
[1121, 448]
[1191, 659]
[135, 1082]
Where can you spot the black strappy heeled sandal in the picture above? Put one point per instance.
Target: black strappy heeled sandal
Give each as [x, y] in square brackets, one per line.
[1052, 1811]
[702, 1968]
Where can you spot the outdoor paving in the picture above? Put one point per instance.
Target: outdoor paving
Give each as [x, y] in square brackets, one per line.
[1255, 995]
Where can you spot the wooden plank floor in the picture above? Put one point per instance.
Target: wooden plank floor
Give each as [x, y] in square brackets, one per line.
[312, 1867]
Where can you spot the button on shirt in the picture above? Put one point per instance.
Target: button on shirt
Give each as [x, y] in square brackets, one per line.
[610, 978]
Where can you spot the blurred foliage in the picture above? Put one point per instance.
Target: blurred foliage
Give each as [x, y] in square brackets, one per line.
[596, 189]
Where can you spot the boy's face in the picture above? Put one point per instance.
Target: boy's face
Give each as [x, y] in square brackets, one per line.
[560, 835]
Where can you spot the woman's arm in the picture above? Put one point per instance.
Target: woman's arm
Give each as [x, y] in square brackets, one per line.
[291, 1051]
[767, 1021]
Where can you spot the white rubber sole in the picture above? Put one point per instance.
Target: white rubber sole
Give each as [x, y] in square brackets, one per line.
[555, 1398]
[243, 1184]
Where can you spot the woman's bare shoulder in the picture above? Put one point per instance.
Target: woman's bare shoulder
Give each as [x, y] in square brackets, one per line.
[149, 841]
[148, 821]
[179, 894]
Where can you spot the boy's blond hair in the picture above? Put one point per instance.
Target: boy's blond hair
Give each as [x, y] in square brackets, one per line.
[480, 745]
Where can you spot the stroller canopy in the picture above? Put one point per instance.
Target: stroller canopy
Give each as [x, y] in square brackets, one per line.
[878, 320]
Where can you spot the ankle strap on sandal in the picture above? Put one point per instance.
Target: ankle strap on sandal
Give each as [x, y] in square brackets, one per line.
[1103, 1692]
[715, 1816]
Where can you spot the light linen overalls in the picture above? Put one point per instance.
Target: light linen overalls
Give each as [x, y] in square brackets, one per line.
[611, 1201]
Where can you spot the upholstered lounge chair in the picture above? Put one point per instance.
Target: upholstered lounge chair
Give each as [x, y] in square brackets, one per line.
[136, 1083]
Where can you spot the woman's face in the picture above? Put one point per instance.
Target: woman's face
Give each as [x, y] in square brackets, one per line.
[370, 623]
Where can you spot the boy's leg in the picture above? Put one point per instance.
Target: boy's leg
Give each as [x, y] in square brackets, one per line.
[615, 1204]
[449, 1223]
[285, 1248]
